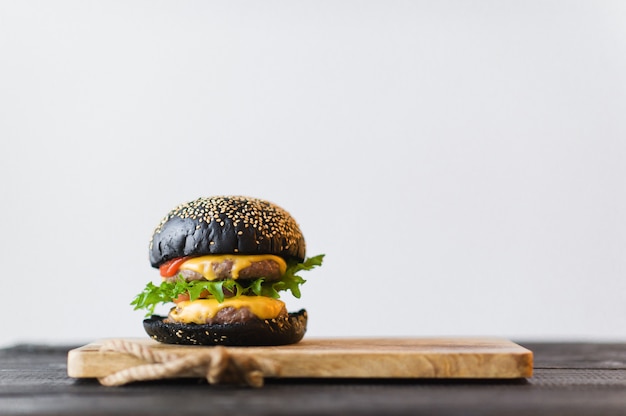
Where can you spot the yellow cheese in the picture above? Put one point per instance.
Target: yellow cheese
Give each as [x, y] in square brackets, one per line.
[199, 310]
[205, 264]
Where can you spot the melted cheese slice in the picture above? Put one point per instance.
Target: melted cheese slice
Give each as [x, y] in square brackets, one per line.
[199, 310]
[205, 264]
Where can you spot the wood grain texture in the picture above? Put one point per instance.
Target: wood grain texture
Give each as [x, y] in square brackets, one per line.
[428, 358]
[569, 378]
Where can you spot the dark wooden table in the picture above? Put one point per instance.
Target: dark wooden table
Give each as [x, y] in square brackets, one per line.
[569, 379]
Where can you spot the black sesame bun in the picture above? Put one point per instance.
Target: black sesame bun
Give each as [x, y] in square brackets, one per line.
[280, 331]
[226, 225]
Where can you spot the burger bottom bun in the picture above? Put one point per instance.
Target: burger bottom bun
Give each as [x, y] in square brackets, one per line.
[256, 332]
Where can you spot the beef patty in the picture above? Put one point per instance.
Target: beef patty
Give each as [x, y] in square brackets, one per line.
[231, 315]
[268, 269]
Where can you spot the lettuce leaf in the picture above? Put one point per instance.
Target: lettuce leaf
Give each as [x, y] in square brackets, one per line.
[153, 295]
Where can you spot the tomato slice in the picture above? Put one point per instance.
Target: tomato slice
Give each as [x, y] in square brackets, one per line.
[185, 296]
[170, 268]
[181, 298]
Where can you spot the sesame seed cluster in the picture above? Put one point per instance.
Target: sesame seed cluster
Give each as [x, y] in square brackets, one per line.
[243, 216]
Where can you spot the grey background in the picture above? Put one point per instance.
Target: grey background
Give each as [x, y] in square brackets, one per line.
[461, 164]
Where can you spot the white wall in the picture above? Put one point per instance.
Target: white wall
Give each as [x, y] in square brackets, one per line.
[461, 164]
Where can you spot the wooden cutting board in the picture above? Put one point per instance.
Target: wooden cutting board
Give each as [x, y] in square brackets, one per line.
[482, 358]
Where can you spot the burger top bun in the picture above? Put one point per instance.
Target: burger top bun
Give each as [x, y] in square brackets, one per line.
[226, 225]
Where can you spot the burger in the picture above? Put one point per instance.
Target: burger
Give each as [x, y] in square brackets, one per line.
[224, 261]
